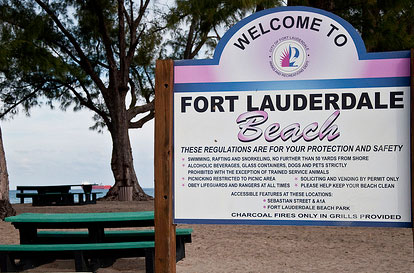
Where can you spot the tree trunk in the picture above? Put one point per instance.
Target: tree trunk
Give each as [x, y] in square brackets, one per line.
[5, 207]
[122, 162]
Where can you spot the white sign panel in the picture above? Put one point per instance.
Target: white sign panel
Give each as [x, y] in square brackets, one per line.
[293, 123]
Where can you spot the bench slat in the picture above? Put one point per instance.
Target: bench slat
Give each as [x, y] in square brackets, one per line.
[33, 255]
[80, 217]
[87, 257]
[183, 236]
[108, 233]
[73, 247]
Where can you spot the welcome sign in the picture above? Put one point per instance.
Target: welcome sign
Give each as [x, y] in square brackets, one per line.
[293, 123]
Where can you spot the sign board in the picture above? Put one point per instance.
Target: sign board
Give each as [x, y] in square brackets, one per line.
[293, 123]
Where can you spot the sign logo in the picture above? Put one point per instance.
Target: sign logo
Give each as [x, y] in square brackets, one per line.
[289, 56]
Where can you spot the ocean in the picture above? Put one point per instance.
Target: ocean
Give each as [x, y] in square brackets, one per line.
[14, 200]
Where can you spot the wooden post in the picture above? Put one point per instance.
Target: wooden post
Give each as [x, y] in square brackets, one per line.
[163, 166]
[412, 138]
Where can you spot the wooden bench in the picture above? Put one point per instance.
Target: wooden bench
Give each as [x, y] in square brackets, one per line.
[88, 257]
[183, 236]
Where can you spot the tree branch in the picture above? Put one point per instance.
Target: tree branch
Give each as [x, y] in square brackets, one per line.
[104, 65]
[133, 45]
[124, 73]
[133, 112]
[141, 122]
[106, 39]
[199, 46]
[149, 79]
[141, 84]
[58, 53]
[190, 38]
[132, 30]
[217, 34]
[66, 51]
[134, 39]
[89, 104]
[85, 64]
[128, 16]
[19, 102]
[142, 9]
[133, 96]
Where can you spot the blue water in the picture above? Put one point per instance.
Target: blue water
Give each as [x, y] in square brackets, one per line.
[102, 193]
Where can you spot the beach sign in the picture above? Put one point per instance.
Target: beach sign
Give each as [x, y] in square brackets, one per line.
[292, 122]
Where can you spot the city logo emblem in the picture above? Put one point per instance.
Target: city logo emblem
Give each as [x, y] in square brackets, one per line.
[289, 57]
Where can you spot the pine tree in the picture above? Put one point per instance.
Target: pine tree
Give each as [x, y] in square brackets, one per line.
[383, 25]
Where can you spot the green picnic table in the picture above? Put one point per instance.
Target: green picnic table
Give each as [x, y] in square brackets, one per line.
[48, 195]
[29, 223]
[89, 254]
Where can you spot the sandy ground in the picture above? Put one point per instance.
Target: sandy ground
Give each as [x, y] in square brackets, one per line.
[218, 248]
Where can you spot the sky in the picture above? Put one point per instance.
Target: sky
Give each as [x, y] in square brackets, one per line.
[53, 147]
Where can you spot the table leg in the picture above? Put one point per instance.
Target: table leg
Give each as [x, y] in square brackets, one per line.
[35, 201]
[81, 264]
[149, 260]
[68, 199]
[94, 197]
[28, 235]
[96, 234]
[80, 197]
[7, 264]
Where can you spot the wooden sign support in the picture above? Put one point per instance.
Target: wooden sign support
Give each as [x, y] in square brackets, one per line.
[412, 139]
[165, 252]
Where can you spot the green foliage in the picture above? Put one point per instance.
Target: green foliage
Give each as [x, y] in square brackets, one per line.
[383, 24]
[77, 53]
[198, 24]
